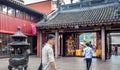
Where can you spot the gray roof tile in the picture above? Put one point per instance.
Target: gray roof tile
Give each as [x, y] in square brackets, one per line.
[100, 14]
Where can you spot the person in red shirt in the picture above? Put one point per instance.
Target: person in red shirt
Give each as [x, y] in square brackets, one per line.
[116, 50]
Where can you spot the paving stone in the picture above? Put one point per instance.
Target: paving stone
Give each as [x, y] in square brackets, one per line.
[70, 63]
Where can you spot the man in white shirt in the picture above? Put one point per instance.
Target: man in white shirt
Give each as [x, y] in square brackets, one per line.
[88, 53]
[48, 60]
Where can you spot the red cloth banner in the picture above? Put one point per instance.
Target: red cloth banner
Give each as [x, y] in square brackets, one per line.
[33, 28]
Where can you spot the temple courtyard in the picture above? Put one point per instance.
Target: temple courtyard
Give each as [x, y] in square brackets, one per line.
[70, 63]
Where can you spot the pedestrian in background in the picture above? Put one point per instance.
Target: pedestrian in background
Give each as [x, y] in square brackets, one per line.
[88, 53]
[48, 60]
[90, 45]
[116, 50]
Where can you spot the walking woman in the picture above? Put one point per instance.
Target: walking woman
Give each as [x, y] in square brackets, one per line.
[88, 53]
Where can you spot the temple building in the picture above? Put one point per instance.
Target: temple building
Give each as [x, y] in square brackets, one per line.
[14, 13]
[69, 21]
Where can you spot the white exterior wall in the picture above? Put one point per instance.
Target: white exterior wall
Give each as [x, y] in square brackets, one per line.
[32, 1]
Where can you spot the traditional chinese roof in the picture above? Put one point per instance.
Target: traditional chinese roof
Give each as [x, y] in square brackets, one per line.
[95, 15]
[22, 7]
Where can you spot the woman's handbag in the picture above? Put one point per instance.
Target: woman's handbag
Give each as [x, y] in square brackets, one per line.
[40, 67]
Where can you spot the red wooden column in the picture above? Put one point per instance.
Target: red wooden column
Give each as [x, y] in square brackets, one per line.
[39, 43]
[99, 45]
[77, 41]
[61, 44]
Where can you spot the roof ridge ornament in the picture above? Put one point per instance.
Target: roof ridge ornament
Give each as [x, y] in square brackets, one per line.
[19, 28]
[45, 17]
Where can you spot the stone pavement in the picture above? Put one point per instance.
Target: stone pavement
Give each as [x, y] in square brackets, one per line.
[71, 63]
